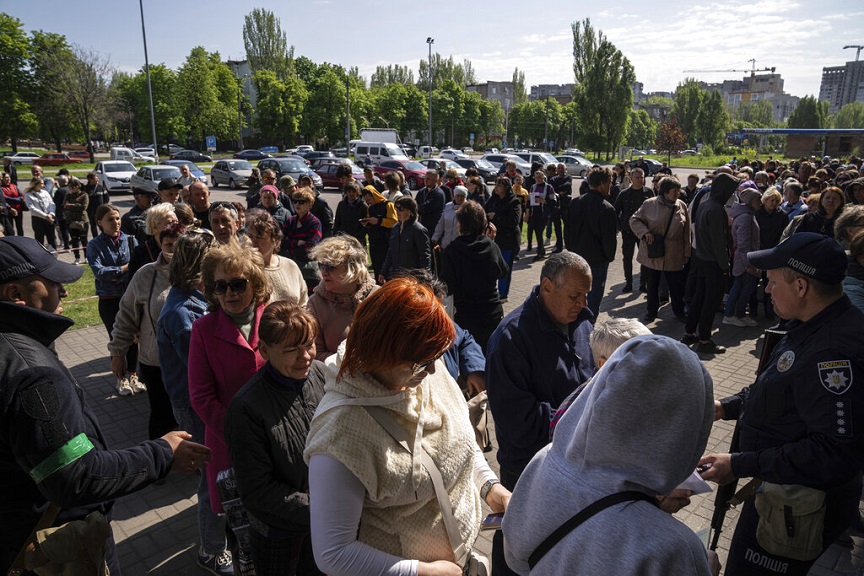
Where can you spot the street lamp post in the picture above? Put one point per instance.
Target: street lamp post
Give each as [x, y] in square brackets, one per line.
[147, 70]
[240, 110]
[430, 41]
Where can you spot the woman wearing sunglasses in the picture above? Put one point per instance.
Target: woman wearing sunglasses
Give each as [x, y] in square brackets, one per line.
[223, 350]
[390, 414]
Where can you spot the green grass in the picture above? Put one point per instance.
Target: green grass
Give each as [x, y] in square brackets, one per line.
[84, 312]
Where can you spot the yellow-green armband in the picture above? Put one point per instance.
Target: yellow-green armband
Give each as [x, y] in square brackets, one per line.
[62, 457]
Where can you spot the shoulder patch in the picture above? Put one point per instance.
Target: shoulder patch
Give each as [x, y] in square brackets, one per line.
[841, 411]
[836, 375]
[785, 361]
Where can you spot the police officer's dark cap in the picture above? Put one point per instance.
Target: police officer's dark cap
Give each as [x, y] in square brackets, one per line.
[169, 183]
[21, 257]
[808, 253]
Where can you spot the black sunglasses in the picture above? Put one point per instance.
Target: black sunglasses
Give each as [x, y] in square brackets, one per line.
[300, 202]
[237, 285]
[418, 369]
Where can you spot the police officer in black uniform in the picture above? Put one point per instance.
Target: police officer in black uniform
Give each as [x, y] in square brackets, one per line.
[51, 447]
[802, 422]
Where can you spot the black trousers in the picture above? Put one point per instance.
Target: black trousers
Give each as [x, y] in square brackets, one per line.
[629, 241]
[63, 227]
[675, 281]
[536, 225]
[499, 564]
[708, 293]
[43, 231]
[161, 419]
[285, 557]
[555, 222]
[78, 238]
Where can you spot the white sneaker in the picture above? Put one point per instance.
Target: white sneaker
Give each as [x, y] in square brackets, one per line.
[748, 321]
[124, 388]
[136, 385]
[733, 321]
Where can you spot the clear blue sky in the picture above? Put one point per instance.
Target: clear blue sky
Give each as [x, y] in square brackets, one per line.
[659, 38]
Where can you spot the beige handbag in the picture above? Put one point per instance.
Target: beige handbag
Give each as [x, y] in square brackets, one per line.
[791, 520]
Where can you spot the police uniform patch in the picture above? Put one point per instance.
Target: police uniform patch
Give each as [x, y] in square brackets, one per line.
[836, 375]
[785, 361]
[842, 417]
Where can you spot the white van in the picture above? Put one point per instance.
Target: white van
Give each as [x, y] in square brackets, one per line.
[129, 155]
[427, 151]
[378, 152]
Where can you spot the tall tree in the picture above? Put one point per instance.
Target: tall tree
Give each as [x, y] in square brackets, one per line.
[810, 113]
[391, 74]
[491, 119]
[603, 92]
[85, 85]
[641, 130]
[324, 114]
[520, 94]
[16, 120]
[712, 120]
[445, 69]
[850, 116]
[205, 108]
[280, 106]
[688, 102]
[670, 138]
[266, 43]
[49, 58]
[757, 114]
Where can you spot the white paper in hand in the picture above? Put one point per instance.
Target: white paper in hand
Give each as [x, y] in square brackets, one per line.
[695, 483]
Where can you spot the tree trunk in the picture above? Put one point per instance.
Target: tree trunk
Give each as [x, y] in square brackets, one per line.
[14, 145]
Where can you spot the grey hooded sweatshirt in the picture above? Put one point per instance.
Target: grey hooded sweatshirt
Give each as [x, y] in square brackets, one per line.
[641, 424]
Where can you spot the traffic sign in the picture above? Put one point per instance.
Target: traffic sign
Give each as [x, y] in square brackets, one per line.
[211, 143]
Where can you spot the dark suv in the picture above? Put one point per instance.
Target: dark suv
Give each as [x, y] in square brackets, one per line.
[294, 167]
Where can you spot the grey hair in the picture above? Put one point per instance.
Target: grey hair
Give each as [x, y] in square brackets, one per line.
[609, 335]
[851, 217]
[156, 216]
[347, 250]
[761, 174]
[217, 206]
[559, 264]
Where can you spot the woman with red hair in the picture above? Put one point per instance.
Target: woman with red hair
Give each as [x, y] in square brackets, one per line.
[393, 418]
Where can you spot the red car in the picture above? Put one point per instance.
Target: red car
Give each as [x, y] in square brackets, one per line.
[328, 173]
[79, 154]
[55, 159]
[414, 172]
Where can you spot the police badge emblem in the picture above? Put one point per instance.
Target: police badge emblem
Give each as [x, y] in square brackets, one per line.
[785, 361]
[836, 375]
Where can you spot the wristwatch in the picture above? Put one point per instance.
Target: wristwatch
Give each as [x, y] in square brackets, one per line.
[484, 490]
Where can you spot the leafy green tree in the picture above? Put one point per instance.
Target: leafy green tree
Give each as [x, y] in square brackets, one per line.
[280, 106]
[810, 113]
[712, 121]
[850, 116]
[490, 120]
[757, 114]
[670, 138]
[85, 85]
[306, 69]
[266, 44]
[168, 109]
[16, 120]
[569, 124]
[603, 92]
[391, 74]
[687, 103]
[210, 109]
[520, 92]
[445, 69]
[641, 129]
[50, 54]
[324, 115]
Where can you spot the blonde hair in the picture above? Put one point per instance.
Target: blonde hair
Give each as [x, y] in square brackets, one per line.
[609, 335]
[234, 259]
[157, 216]
[771, 192]
[347, 250]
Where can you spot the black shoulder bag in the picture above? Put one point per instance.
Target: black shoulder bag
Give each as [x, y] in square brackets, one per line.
[657, 248]
[581, 517]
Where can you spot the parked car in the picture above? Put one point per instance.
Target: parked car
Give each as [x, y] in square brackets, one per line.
[269, 149]
[453, 154]
[485, 168]
[251, 154]
[24, 157]
[435, 163]
[327, 171]
[129, 155]
[293, 166]
[689, 153]
[193, 168]
[652, 166]
[80, 155]
[414, 172]
[426, 151]
[310, 157]
[303, 149]
[55, 159]
[173, 148]
[576, 165]
[340, 152]
[467, 150]
[230, 172]
[573, 152]
[410, 150]
[191, 155]
[150, 176]
[543, 158]
[490, 151]
[498, 161]
[115, 175]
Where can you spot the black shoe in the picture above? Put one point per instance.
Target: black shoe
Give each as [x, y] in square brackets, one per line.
[681, 317]
[689, 339]
[538, 257]
[516, 258]
[648, 318]
[643, 288]
[627, 288]
[557, 250]
[709, 347]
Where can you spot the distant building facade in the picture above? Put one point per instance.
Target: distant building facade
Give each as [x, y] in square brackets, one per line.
[242, 71]
[842, 85]
[563, 93]
[501, 92]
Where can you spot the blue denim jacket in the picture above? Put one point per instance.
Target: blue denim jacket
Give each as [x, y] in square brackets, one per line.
[105, 259]
[173, 333]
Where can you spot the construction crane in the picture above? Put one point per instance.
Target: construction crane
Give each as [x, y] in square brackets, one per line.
[752, 71]
[858, 47]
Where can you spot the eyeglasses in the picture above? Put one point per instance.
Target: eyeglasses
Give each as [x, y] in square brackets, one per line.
[300, 202]
[237, 286]
[418, 369]
[398, 209]
[327, 267]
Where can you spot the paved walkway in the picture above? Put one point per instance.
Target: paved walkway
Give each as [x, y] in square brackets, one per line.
[156, 528]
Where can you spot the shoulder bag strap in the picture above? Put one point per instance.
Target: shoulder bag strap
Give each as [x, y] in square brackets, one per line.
[674, 208]
[386, 420]
[581, 517]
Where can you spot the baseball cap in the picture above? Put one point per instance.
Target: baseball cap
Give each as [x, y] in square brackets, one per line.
[169, 183]
[287, 182]
[147, 191]
[21, 257]
[808, 253]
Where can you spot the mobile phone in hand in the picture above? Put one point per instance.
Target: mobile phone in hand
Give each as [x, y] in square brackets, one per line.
[492, 521]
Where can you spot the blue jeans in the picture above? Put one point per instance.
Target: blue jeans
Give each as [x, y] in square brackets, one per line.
[598, 287]
[211, 526]
[504, 283]
[739, 295]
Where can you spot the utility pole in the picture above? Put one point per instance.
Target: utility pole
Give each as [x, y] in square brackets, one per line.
[430, 41]
[149, 88]
[347, 112]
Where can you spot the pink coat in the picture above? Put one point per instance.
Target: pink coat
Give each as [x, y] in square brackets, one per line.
[221, 361]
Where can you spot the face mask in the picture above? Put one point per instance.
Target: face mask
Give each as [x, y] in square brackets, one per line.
[167, 256]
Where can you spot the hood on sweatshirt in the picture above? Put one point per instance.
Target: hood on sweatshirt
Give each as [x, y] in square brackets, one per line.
[641, 424]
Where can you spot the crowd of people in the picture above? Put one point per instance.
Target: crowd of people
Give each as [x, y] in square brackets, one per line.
[314, 354]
